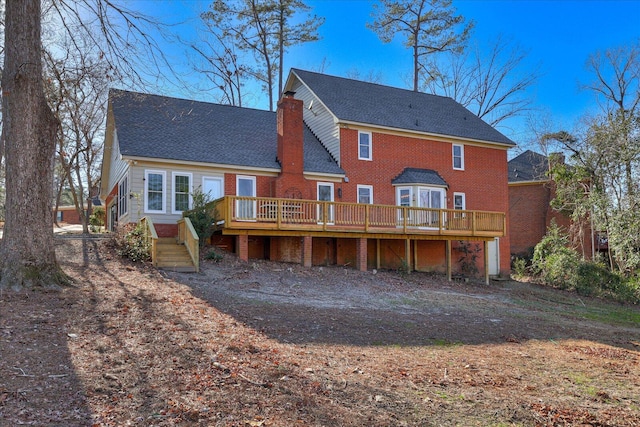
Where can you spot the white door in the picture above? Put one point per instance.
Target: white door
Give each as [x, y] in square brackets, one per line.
[212, 187]
[246, 187]
[494, 257]
[429, 198]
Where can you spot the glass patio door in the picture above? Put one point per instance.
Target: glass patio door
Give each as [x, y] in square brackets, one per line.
[325, 194]
[246, 187]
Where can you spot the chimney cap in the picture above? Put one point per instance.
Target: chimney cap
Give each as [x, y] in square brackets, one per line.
[289, 94]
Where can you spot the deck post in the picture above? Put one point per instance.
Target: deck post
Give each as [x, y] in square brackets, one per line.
[415, 255]
[242, 247]
[448, 258]
[361, 253]
[307, 256]
[486, 262]
[407, 254]
[378, 254]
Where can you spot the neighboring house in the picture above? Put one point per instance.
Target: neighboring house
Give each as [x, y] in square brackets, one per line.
[68, 215]
[530, 213]
[345, 172]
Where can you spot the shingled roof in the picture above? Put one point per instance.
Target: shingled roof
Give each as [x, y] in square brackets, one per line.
[528, 166]
[419, 176]
[378, 105]
[160, 127]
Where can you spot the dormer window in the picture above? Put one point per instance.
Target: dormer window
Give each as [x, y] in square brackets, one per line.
[364, 146]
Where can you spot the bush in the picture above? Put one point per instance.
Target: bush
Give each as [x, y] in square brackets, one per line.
[96, 219]
[201, 218]
[213, 256]
[559, 266]
[131, 243]
[519, 267]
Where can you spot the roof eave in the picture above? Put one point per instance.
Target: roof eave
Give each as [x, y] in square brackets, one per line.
[434, 136]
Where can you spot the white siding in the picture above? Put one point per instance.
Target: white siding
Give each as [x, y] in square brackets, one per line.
[136, 185]
[320, 121]
[118, 166]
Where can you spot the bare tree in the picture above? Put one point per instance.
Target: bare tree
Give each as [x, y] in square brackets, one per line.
[617, 88]
[122, 40]
[78, 93]
[491, 85]
[427, 26]
[28, 133]
[264, 29]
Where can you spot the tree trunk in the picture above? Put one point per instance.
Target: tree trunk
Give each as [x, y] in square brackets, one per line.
[29, 133]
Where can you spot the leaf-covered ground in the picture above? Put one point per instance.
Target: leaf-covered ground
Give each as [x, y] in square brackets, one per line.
[265, 344]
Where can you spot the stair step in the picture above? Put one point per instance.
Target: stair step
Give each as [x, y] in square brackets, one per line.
[172, 256]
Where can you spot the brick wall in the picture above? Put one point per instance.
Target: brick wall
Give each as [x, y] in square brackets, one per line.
[530, 214]
[484, 179]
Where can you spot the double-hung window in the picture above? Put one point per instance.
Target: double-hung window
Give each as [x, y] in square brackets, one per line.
[457, 152]
[181, 192]
[154, 191]
[365, 194]
[459, 202]
[364, 146]
[123, 196]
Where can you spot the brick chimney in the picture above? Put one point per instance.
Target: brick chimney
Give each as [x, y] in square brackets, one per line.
[291, 182]
[290, 134]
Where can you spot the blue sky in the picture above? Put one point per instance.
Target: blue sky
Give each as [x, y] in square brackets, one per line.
[558, 35]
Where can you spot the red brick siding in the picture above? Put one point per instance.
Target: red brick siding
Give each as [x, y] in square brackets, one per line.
[484, 179]
[528, 208]
[69, 215]
[166, 230]
[530, 214]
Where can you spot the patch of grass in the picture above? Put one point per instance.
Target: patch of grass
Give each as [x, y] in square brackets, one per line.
[614, 316]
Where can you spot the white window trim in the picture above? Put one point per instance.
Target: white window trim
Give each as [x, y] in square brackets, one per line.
[464, 200]
[120, 196]
[247, 177]
[325, 184]
[173, 191]
[453, 157]
[365, 187]
[148, 172]
[370, 158]
[404, 187]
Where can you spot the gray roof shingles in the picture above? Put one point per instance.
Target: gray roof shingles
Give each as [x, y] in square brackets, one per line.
[528, 166]
[178, 129]
[419, 176]
[374, 104]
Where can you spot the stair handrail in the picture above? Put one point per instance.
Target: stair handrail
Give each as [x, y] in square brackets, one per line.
[151, 238]
[187, 235]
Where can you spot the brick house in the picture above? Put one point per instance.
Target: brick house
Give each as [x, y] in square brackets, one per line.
[345, 172]
[530, 213]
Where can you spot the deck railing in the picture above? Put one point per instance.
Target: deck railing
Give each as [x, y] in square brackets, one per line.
[236, 212]
[151, 238]
[189, 238]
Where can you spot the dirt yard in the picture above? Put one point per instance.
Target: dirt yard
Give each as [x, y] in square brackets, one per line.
[266, 344]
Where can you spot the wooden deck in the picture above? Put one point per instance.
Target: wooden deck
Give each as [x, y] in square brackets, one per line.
[274, 216]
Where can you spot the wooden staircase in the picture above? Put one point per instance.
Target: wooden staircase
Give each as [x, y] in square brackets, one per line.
[173, 256]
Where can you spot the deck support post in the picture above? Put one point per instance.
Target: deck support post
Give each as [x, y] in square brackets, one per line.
[361, 253]
[378, 254]
[486, 262]
[307, 256]
[415, 255]
[407, 254]
[242, 247]
[448, 258]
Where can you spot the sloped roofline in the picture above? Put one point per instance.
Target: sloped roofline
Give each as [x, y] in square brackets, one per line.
[296, 74]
